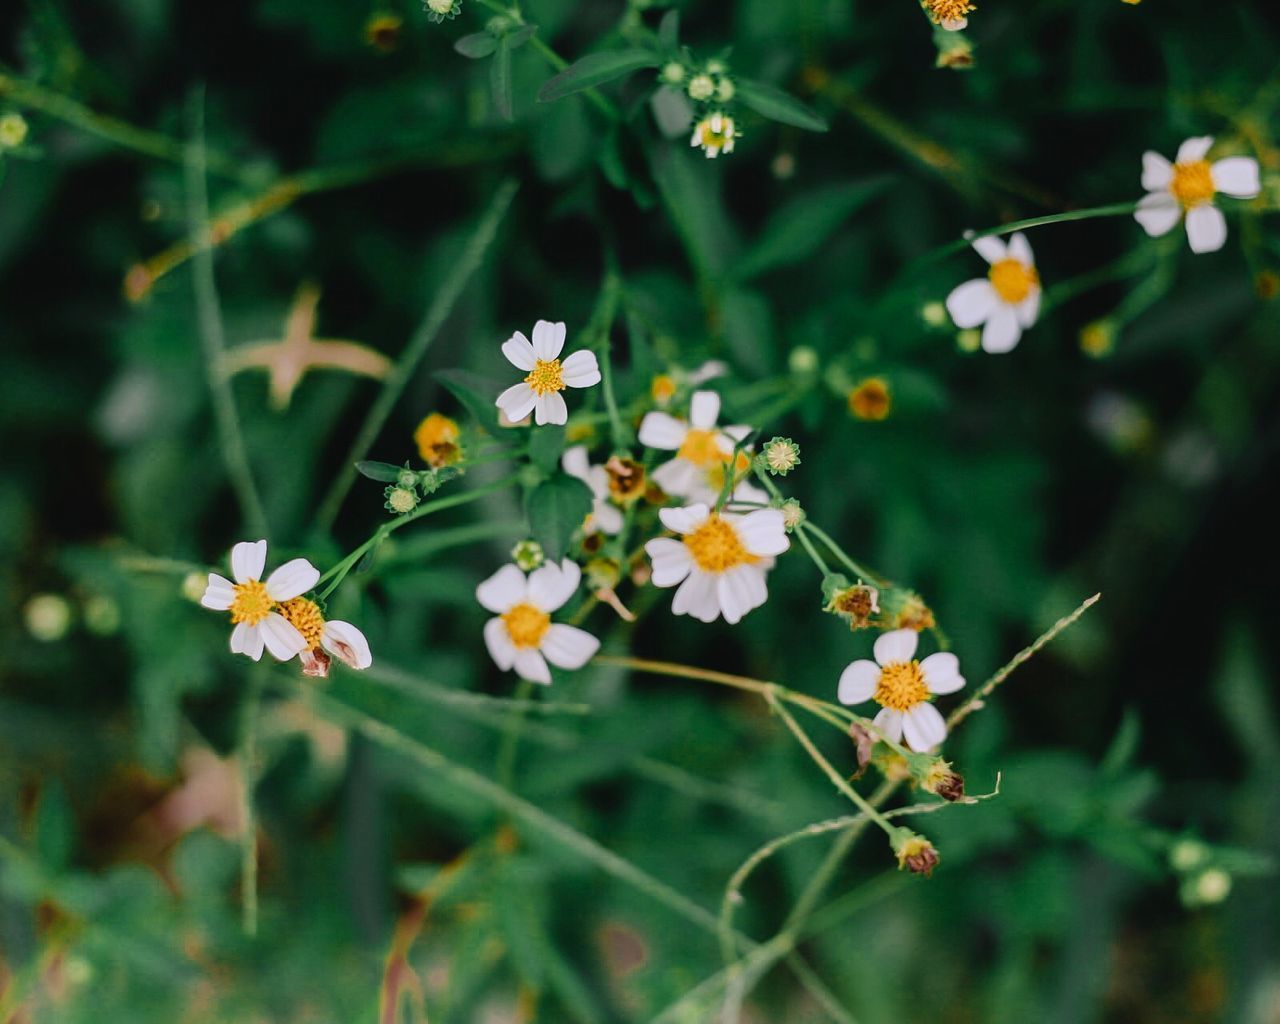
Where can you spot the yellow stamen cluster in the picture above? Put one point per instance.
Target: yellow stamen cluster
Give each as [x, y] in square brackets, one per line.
[662, 388]
[870, 399]
[526, 625]
[901, 686]
[305, 616]
[546, 376]
[1013, 280]
[437, 440]
[702, 448]
[716, 546]
[252, 603]
[1192, 183]
[948, 12]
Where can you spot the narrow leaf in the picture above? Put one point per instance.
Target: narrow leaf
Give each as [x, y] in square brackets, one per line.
[777, 105]
[500, 80]
[383, 472]
[595, 69]
[476, 394]
[476, 45]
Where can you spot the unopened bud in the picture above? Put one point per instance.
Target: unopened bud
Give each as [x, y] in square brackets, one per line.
[528, 555]
[780, 456]
[792, 515]
[401, 500]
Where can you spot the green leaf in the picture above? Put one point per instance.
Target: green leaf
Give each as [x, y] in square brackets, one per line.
[555, 509]
[500, 80]
[55, 827]
[777, 105]
[801, 227]
[383, 472]
[545, 446]
[669, 31]
[476, 45]
[520, 36]
[476, 394]
[595, 69]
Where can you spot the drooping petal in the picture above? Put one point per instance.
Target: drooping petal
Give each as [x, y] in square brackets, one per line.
[1028, 309]
[889, 722]
[704, 409]
[971, 303]
[248, 558]
[659, 430]
[346, 643]
[679, 478]
[281, 637]
[568, 646]
[740, 590]
[247, 639]
[548, 339]
[684, 520]
[517, 401]
[1195, 148]
[1158, 213]
[670, 559]
[1002, 331]
[1157, 172]
[531, 665]
[923, 727]
[697, 596]
[498, 641]
[292, 579]
[581, 370]
[1237, 176]
[519, 352]
[1020, 250]
[991, 248]
[896, 645]
[1206, 228]
[552, 585]
[762, 532]
[858, 682]
[550, 408]
[942, 672]
[219, 594]
[574, 461]
[505, 588]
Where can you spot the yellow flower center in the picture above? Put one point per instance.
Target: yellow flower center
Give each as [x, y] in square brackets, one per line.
[305, 616]
[526, 625]
[1192, 183]
[252, 604]
[546, 377]
[716, 546]
[701, 447]
[709, 137]
[437, 440]
[662, 388]
[715, 474]
[1013, 280]
[948, 10]
[901, 686]
[870, 399]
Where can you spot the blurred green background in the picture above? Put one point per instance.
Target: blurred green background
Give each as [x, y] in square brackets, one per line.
[350, 146]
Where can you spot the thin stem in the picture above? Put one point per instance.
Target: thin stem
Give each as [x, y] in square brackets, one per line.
[212, 336]
[247, 756]
[505, 768]
[602, 323]
[842, 556]
[807, 544]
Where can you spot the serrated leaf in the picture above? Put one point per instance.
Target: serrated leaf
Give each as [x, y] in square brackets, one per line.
[556, 508]
[476, 45]
[500, 80]
[546, 444]
[776, 105]
[383, 472]
[595, 69]
[476, 394]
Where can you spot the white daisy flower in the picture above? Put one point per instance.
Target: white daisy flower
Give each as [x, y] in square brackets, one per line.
[1006, 301]
[340, 639]
[539, 392]
[523, 636]
[903, 687]
[715, 135]
[699, 444]
[605, 516]
[719, 561]
[253, 604]
[1188, 187]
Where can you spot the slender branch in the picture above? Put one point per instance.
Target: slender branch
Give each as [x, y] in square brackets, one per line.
[247, 756]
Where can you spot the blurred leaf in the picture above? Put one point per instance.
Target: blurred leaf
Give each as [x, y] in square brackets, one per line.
[54, 827]
[595, 69]
[556, 508]
[476, 393]
[383, 472]
[476, 45]
[546, 443]
[777, 105]
[500, 80]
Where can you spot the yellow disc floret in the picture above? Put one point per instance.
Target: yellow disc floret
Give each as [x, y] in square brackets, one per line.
[1192, 183]
[902, 686]
[701, 447]
[437, 440]
[717, 547]
[252, 603]
[1013, 280]
[526, 624]
[545, 377]
[948, 12]
[305, 616]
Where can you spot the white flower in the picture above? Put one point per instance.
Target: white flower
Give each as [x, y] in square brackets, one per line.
[1006, 301]
[253, 605]
[605, 517]
[523, 636]
[341, 639]
[903, 688]
[715, 134]
[1188, 187]
[539, 392]
[720, 557]
[699, 445]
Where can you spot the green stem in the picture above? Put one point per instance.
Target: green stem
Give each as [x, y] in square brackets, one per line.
[602, 322]
[840, 554]
[247, 755]
[505, 769]
[807, 544]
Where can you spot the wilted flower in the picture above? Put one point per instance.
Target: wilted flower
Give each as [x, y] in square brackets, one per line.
[1005, 302]
[943, 781]
[255, 605]
[856, 604]
[539, 392]
[437, 440]
[605, 517]
[340, 639]
[870, 399]
[915, 853]
[1187, 187]
[627, 481]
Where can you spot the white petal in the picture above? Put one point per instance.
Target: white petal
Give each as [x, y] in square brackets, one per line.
[858, 682]
[1237, 176]
[248, 558]
[658, 430]
[550, 408]
[991, 248]
[295, 577]
[923, 727]
[704, 409]
[281, 637]
[1158, 213]
[502, 590]
[597, 479]
[219, 594]
[895, 646]
[942, 672]
[1194, 149]
[1002, 331]
[548, 339]
[532, 666]
[889, 722]
[1157, 172]
[498, 640]
[346, 643]
[552, 585]
[680, 478]
[568, 646]
[740, 590]
[519, 352]
[698, 597]
[972, 303]
[608, 518]
[749, 492]
[709, 370]
[574, 461]
[247, 639]
[763, 532]
[670, 559]
[1020, 250]
[581, 370]
[517, 401]
[1206, 228]
[1028, 309]
[684, 520]
[728, 437]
